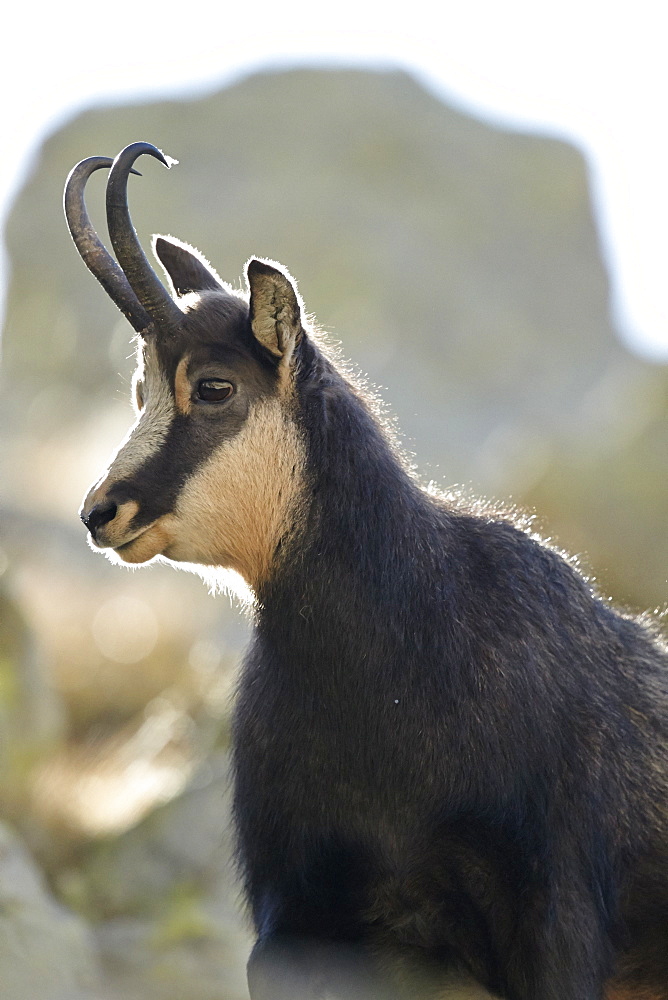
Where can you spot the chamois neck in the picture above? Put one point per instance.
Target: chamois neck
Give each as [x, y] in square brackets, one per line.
[364, 515]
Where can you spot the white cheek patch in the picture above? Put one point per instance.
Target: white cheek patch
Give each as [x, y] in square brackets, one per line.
[151, 428]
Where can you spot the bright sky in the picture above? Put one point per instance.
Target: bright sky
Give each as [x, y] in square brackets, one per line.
[592, 71]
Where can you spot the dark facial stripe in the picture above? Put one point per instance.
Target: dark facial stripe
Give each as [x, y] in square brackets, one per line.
[187, 433]
[155, 485]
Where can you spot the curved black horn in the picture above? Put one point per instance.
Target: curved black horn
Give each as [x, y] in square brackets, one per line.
[94, 255]
[147, 286]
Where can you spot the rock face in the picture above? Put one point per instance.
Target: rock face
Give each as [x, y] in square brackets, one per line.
[46, 952]
[172, 924]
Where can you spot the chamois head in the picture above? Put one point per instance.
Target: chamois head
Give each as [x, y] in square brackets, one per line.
[210, 472]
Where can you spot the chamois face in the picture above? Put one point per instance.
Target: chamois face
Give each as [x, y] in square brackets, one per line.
[210, 472]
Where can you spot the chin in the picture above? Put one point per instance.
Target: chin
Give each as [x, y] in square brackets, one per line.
[150, 544]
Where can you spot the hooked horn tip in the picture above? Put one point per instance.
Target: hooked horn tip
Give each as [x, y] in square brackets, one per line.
[165, 158]
[127, 157]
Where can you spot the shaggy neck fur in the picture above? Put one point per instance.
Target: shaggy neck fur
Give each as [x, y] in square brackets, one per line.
[370, 542]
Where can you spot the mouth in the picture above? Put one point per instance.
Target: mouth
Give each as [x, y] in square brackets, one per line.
[145, 545]
[127, 546]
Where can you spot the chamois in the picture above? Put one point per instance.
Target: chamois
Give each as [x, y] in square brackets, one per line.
[449, 751]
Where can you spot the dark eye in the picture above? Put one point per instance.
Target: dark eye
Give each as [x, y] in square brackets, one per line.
[213, 390]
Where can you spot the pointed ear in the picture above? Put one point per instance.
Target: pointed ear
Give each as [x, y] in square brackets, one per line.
[275, 307]
[187, 269]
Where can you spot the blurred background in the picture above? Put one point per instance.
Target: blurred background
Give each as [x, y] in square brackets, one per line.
[473, 203]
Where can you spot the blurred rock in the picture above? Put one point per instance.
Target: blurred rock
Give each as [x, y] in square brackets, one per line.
[186, 842]
[172, 922]
[46, 952]
[202, 961]
[32, 715]
[27, 701]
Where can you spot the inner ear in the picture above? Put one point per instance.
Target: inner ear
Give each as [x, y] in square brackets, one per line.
[187, 269]
[275, 307]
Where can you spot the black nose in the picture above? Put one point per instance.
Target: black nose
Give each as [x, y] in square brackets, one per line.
[100, 514]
